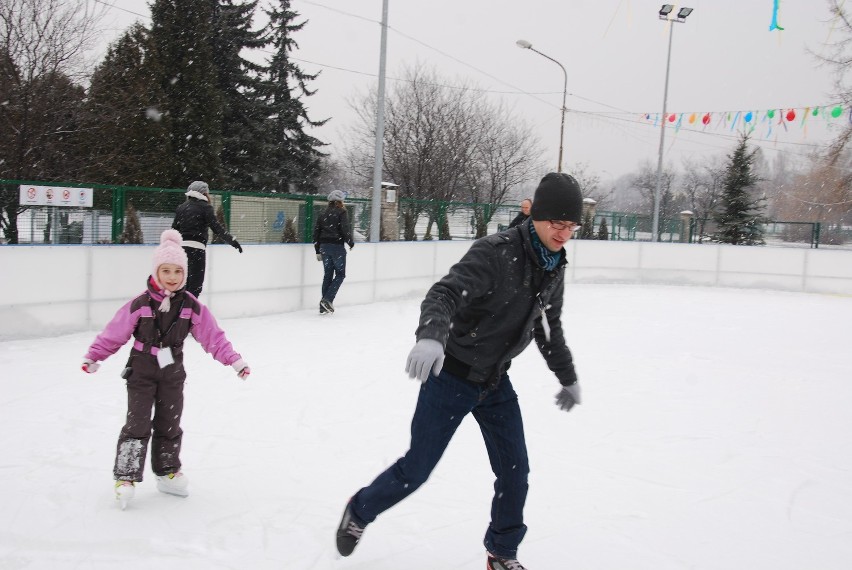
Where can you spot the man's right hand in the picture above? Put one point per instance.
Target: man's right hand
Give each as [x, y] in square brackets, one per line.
[427, 355]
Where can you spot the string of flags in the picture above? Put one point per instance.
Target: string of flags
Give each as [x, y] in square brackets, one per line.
[751, 120]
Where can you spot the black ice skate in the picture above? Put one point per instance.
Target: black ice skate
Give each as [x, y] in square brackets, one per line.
[497, 563]
[348, 533]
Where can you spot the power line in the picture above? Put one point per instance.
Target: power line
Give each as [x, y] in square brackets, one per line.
[113, 6]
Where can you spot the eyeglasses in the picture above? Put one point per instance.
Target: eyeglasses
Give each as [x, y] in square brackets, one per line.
[561, 226]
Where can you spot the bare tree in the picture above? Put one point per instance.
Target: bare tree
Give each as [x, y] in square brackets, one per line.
[646, 183]
[702, 188]
[824, 193]
[42, 44]
[443, 143]
[505, 156]
[590, 184]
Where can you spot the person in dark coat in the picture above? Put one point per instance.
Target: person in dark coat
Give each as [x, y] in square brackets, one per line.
[193, 219]
[331, 231]
[522, 216]
[505, 292]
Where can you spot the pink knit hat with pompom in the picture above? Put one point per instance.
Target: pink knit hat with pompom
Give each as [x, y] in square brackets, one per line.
[170, 250]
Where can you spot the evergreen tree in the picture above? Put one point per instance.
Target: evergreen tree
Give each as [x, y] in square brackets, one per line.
[127, 131]
[740, 215]
[220, 217]
[182, 47]
[132, 232]
[588, 229]
[603, 232]
[289, 234]
[291, 155]
[243, 111]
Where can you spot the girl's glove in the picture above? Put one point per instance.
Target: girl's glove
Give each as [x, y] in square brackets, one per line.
[90, 366]
[568, 396]
[242, 369]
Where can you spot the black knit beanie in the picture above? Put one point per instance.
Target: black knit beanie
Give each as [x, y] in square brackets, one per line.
[558, 197]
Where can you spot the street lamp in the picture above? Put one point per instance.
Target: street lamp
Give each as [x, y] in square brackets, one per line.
[679, 18]
[524, 44]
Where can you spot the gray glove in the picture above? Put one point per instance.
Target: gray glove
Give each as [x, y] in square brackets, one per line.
[568, 396]
[319, 257]
[427, 354]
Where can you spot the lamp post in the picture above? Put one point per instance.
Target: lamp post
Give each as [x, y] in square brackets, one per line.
[678, 19]
[523, 44]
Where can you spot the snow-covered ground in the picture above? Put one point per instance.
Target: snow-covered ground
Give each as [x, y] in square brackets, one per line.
[714, 434]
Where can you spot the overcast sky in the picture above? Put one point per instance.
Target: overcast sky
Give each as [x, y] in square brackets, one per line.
[724, 59]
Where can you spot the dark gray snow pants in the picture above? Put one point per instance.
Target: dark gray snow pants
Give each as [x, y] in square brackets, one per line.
[150, 386]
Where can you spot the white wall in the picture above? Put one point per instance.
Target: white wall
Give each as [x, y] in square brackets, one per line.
[52, 290]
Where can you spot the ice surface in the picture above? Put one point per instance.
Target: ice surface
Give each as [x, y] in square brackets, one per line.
[714, 434]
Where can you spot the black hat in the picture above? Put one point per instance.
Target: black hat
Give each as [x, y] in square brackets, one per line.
[558, 197]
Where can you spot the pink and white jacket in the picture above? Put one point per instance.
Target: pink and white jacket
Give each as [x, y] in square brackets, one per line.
[153, 329]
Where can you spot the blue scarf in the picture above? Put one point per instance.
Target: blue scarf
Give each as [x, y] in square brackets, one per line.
[546, 258]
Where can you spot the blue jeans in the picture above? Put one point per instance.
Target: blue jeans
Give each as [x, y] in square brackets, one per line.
[334, 264]
[443, 403]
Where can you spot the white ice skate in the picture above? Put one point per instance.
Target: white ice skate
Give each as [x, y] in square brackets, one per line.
[173, 484]
[124, 491]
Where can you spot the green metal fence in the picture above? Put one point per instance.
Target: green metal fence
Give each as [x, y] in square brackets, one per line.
[276, 218]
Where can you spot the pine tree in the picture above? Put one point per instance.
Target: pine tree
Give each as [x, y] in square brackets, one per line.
[289, 234]
[603, 232]
[127, 133]
[132, 232]
[220, 217]
[243, 111]
[182, 47]
[587, 231]
[740, 215]
[293, 156]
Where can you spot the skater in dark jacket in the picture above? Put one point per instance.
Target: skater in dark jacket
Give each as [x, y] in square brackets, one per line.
[193, 219]
[331, 231]
[506, 291]
[159, 321]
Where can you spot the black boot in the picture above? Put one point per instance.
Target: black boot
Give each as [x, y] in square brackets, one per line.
[497, 563]
[348, 532]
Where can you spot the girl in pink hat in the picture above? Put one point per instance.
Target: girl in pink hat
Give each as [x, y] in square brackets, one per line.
[159, 321]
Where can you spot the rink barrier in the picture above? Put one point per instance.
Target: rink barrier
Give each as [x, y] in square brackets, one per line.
[52, 290]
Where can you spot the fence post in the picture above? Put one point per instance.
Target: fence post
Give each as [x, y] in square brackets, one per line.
[117, 213]
[686, 226]
[309, 220]
[389, 230]
[815, 235]
[226, 208]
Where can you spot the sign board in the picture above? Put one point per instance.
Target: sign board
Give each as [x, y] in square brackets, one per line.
[50, 196]
[390, 195]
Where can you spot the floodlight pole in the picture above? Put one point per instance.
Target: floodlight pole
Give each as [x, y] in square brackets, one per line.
[376, 213]
[681, 18]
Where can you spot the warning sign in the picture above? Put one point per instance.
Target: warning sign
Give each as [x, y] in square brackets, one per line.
[55, 196]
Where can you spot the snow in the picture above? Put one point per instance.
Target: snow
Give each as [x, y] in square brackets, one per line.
[713, 433]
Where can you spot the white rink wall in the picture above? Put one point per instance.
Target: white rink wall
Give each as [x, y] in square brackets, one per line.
[53, 290]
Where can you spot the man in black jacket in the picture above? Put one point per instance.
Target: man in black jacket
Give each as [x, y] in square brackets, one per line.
[522, 216]
[506, 291]
[193, 219]
[331, 231]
